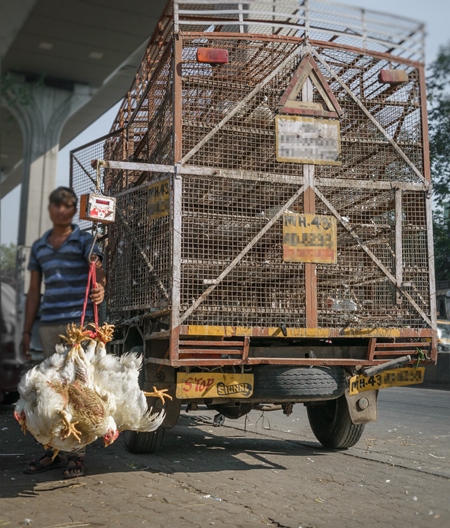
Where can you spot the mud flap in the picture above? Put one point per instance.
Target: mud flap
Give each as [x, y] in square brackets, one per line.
[363, 407]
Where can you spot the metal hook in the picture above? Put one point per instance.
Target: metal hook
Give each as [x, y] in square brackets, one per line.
[95, 235]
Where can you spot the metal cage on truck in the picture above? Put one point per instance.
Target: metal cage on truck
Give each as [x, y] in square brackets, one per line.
[270, 167]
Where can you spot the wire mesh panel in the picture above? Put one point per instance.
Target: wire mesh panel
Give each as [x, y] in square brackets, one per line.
[138, 245]
[84, 177]
[246, 140]
[357, 292]
[139, 251]
[221, 216]
[159, 46]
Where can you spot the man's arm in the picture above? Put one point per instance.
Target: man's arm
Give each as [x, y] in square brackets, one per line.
[31, 309]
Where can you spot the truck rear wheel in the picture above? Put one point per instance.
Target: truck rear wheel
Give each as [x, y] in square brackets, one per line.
[331, 424]
[145, 442]
[141, 443]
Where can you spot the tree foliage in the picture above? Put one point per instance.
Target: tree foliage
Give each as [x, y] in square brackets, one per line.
[8, 259]
[438, 83]
[439, 121]
[441, 232]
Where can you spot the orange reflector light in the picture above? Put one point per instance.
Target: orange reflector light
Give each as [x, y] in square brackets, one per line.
[393, 76]
[212, 55]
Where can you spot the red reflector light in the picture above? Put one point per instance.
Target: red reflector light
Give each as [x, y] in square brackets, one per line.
[212, 55]
[102, 202]
[393, 76]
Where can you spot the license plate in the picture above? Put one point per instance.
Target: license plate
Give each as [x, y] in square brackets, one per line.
[389, 378]
[213, 385]
[309, 238]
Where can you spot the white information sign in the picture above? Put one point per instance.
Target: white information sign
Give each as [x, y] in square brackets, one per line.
[308, 140]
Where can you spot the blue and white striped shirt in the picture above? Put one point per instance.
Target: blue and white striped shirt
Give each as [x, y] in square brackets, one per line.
[65, 274]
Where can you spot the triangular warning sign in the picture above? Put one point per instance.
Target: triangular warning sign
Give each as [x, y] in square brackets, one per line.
[289, 102]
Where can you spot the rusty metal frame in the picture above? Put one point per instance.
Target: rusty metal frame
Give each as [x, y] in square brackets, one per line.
[249, 175]
[307, 67]
[354, 25]
[296, 333]
[323, 362]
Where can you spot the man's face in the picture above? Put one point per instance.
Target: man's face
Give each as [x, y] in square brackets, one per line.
[61, 214]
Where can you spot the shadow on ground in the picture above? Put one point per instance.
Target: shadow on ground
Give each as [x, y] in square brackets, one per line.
[194, 445]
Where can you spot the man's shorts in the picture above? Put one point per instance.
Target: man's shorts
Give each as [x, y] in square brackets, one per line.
[50, 337]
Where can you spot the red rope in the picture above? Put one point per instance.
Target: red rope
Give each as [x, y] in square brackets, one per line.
[91, 283]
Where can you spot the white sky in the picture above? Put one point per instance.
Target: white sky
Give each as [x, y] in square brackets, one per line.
[434, 13]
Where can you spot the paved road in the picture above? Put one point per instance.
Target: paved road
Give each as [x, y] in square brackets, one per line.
[264, 471]
[413, 429]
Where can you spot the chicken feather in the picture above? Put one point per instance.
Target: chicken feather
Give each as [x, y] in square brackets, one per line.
[119, 376]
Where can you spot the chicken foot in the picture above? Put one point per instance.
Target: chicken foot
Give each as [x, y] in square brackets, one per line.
[69, 427]
[55, 451]
[158, 394]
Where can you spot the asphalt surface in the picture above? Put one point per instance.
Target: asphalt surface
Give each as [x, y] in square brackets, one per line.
[263, 470]
[412, 430]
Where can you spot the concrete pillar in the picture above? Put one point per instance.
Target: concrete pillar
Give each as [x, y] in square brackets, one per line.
[41, 112]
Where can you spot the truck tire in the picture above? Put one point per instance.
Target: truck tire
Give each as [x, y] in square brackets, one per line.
[145, 442]
[297, 384]
[332, 426]
[142, 443]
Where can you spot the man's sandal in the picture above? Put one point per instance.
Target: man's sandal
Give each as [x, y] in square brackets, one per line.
[74, 467]
[37, 466]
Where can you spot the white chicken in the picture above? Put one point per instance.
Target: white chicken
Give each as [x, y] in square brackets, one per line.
[77, 395]
[118, 379]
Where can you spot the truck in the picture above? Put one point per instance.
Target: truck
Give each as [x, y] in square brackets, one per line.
[443, 315]
[272, 242]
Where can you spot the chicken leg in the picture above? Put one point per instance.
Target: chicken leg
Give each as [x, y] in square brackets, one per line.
[55, 451]
[69, 427]
[158, 394]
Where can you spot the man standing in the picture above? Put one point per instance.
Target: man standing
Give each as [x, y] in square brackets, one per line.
[60, 259]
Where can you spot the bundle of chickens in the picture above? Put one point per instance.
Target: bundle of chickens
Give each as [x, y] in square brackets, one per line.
[82, 393]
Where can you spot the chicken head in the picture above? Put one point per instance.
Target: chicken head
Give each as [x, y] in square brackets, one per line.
[110, 437]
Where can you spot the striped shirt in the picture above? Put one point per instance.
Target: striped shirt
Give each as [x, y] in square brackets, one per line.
[65, 274]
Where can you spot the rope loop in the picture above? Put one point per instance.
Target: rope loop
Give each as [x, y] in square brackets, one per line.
[91, 283]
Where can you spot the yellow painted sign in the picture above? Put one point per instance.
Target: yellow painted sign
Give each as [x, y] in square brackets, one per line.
[158, 200]
[309, 238]
[389, 378]
[213, 385]
[275, 331]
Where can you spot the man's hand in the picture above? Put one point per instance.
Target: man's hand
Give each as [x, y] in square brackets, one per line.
[26, 341]
[97, 294]
[99, 271]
